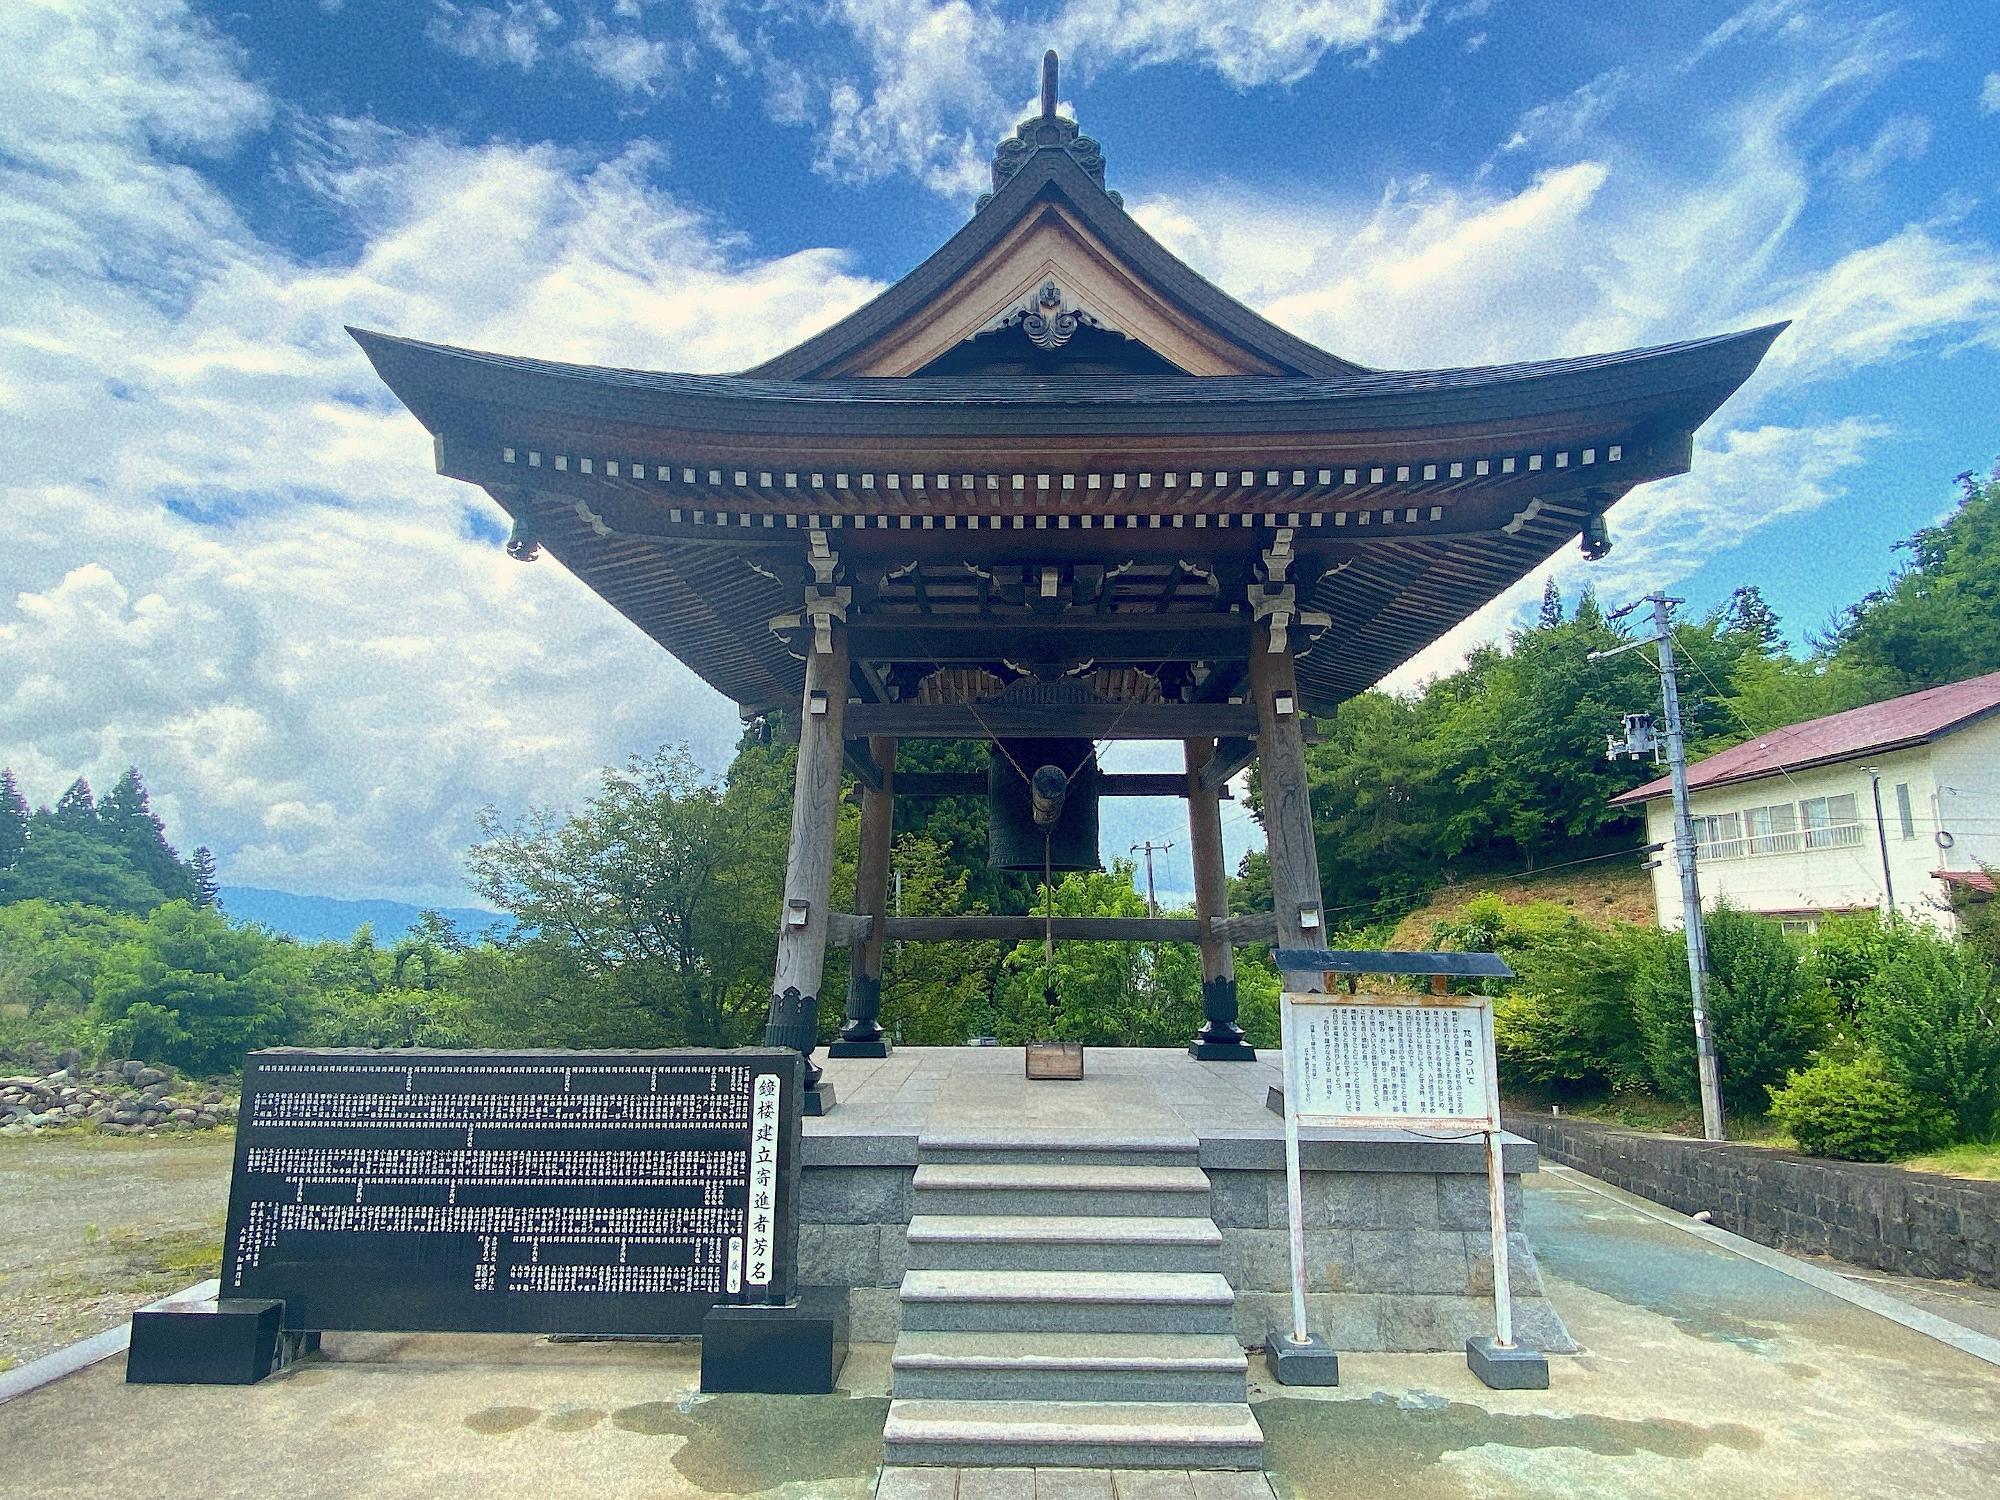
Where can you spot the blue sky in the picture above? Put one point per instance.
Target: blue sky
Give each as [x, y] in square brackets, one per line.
[226, 558]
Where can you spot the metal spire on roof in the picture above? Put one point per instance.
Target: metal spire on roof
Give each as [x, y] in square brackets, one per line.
[1049, 84]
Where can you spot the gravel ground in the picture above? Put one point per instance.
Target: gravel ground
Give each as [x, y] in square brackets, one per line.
[93, 1226]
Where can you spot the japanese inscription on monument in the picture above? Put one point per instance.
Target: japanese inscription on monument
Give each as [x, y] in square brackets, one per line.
[1389, 1062]
[572, 1192]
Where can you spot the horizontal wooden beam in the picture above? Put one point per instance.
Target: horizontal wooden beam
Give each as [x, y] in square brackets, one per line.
[846, 927]
[927, 784]
[1016, 635]
[1230, 756]
[1391, 961]
[1124, 721]
[1246, 928]
[1021, 929]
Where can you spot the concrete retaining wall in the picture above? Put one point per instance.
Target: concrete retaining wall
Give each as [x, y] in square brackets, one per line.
[1912, 1223]
[1396, 1260]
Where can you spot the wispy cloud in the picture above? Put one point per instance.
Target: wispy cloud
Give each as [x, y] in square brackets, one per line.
[227, 560]
[1900, 139]
[514, 33]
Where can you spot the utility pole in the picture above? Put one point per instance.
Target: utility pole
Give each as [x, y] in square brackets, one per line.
[1639, 737]
[1152, 905]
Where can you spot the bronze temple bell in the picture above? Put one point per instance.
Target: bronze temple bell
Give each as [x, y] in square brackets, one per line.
[1042, 790]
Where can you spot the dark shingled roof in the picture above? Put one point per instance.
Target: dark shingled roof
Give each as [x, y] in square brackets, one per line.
[1914, 719]
[1698, 371]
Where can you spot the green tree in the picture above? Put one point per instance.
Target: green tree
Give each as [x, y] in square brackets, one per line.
[61, 865]
[1766, 1013]
[662, 891]
[1551, 614]
[13, 821]
[192, 991]
[76, 809]
[207, 885]
[1749, 614]
[1933, 1012]
[1939, 620]
[935, 994]
[1107, 994]
[126, 820]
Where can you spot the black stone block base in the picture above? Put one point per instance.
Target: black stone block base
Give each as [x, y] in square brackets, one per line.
[229, 1341]
[817, 1100]
[1293, 1363]
[859, 1049]
[1222, 1052]
[1514, 1369]
[795, 1349]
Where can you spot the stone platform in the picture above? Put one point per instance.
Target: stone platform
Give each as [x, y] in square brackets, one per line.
[1397, 1237]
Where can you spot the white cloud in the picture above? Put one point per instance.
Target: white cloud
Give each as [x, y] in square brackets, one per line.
[1248, 42]
[1900, 138]
[941, 74]
[1989, 94]
[931, 108]
[512, 33]
[626, 59]
[228, 561]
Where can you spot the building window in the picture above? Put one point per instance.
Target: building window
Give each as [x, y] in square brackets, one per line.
[1903, 811]
[1773, 830]
[1830, 822]
[1719, 836]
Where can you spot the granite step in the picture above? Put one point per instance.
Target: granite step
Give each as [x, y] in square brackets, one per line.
[1066, 1302]
[1058, 1147]
[1180, 1367]
[1065, 1191]
[1079, 1434]
[1031, 1242]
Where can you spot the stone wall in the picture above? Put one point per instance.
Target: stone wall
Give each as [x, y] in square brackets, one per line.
[1887, 1218]
[1396, 1260]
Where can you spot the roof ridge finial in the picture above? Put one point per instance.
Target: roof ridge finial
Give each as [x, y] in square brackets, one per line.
[1044, 131]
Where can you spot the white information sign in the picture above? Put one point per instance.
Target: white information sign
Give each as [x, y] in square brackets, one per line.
[1421, 1063]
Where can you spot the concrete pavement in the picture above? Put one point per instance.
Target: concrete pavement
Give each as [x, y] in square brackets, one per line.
[1703, 1372]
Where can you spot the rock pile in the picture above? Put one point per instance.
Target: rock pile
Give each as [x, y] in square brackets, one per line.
[120, 1098]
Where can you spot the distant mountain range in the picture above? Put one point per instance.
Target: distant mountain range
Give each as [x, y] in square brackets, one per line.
[314, 919]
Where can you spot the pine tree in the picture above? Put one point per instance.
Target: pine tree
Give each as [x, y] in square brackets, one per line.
[1749, 614]
[125, 817]
[76, 809]
[13, 821]
[207, 887]
[1552, 605]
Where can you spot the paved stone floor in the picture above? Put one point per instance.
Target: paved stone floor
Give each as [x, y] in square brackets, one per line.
[1703, 1373]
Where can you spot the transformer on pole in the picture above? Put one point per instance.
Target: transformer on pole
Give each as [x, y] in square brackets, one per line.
[1640, 739]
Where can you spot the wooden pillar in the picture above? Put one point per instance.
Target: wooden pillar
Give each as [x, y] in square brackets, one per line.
[802, 921]
[1288, 829]
[1220, 1038]
[863, 1036]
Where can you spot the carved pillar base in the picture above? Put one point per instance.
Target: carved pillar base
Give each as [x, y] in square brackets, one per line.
[1220, 1038]
[794, 1022]
[863, 1035]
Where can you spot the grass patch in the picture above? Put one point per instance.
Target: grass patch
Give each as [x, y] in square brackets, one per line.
[1982, 1162]
[1657, 1116]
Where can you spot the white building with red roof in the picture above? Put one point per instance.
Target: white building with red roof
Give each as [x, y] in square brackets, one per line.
[1892, 805]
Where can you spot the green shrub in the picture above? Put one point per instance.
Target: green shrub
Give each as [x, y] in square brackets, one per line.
[1767, 1013]
[1567, 1020]
[1850, 949]
[1933, 1012]
[1855, 1111]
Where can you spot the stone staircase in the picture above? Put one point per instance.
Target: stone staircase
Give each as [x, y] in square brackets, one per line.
[1065, 1306]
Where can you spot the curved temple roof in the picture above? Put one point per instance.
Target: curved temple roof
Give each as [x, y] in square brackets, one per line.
[1174, 507]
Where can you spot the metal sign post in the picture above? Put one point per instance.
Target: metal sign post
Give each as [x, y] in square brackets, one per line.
[1422, 1063]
